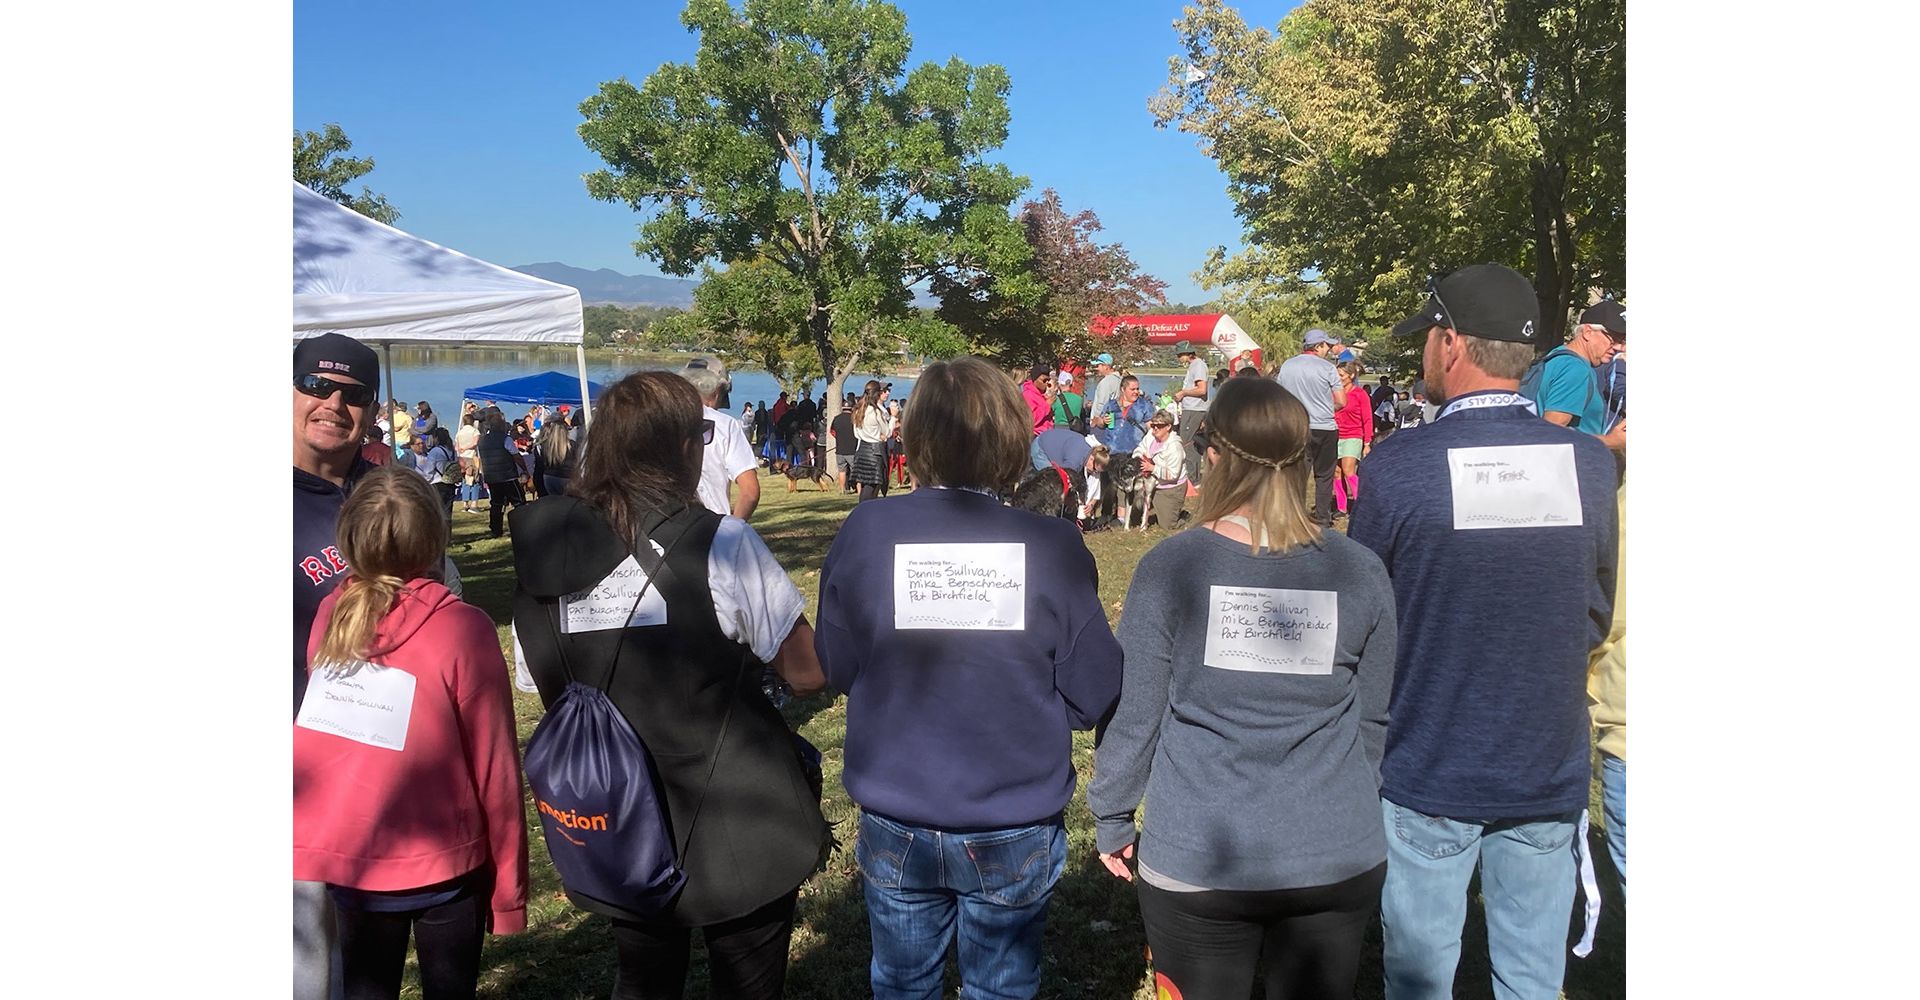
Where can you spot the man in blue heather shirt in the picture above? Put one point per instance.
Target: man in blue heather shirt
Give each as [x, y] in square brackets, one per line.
[1497, 529]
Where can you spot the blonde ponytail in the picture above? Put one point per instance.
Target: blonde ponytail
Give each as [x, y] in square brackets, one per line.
[391, 531]
[349, 630]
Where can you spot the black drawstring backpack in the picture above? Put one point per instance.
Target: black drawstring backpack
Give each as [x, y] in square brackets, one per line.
[594, 784]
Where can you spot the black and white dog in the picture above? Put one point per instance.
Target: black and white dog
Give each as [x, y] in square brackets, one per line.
[1132, 483]
[1054, 492]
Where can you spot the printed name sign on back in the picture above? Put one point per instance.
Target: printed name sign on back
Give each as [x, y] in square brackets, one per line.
[1270, 630]
[609, 603]
[975, 585]
[1514, 486]
[372, 705]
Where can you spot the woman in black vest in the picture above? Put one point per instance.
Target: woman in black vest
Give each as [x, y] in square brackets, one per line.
[691, 655]
[499, 469]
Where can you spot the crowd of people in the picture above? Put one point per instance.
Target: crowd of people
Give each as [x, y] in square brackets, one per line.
[796, 438]
[1323, 726]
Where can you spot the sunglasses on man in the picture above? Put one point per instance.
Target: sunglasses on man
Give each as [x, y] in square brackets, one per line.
[320, 387]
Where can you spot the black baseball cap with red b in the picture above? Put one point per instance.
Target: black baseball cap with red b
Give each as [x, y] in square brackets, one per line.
[1490, 301]
[336, 354]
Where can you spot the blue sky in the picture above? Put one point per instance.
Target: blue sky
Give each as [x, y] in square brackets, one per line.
[469, 111]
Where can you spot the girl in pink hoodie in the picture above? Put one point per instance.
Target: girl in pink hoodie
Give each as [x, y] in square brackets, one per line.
[406, 776]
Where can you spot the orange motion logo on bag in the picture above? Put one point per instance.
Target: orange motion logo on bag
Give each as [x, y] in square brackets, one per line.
[573, 820]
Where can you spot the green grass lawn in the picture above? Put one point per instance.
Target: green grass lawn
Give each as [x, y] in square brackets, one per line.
[1095, 944]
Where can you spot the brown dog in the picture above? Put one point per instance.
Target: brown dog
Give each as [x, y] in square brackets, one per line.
[795, 473]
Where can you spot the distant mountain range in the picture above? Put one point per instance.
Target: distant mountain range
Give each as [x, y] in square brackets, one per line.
[612, 287]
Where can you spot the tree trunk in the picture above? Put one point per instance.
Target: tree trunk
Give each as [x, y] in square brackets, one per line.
[1552, 249]
[836, 390]
[820, 328]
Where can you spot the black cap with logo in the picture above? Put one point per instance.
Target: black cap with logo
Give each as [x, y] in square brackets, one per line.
[336, 354]
[1609, 314]
[1490, 301]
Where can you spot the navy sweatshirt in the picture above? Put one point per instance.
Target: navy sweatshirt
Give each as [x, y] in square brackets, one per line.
[317, 566]
[1489, 711]
[963, 728]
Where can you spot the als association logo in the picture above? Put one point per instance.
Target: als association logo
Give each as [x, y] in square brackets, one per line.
[572, 820]
[1163, 988]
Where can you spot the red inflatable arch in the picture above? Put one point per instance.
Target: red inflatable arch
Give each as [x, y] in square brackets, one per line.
[1217, 329]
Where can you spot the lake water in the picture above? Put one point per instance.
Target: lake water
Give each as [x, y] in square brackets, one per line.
[441, 376]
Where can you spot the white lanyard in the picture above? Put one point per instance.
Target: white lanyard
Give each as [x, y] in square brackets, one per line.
[1588, 887]
[1484, 399]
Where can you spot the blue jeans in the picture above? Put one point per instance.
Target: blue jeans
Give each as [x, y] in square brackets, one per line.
[1613, 796]
[1527, 880]
[997, 882]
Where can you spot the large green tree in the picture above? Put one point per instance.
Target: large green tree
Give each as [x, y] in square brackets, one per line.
[1370, 144]
[319, 162]
[795, 152]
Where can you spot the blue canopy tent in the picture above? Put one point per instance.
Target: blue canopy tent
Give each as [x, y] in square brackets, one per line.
[546, 388]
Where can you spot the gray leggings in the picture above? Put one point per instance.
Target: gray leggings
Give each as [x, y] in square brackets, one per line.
[316, 944]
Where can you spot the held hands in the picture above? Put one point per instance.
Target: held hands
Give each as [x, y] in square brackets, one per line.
[1117, 862]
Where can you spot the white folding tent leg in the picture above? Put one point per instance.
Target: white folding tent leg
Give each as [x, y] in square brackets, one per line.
[386, 363]
[586, 400]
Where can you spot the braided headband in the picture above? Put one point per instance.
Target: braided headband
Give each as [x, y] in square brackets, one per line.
[1214, 436]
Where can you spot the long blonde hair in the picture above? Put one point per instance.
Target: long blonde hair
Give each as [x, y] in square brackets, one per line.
[1260, 432]
[391, 530]
[555, 442]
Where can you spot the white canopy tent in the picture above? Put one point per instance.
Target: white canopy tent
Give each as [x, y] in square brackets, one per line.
[374, 283]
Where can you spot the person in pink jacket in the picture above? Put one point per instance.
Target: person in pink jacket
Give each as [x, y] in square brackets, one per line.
[1354, 423]
[406, 778]
[1037, 392]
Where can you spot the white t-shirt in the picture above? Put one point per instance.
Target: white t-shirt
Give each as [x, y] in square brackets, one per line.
[1312, 380]
[723, 461]
[1107, 390]
[1196, 372]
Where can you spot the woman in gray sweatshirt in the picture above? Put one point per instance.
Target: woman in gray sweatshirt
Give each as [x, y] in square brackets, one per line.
[1252, 715]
